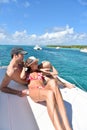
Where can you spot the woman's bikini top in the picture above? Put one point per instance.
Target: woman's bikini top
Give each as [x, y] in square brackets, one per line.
[39, 77]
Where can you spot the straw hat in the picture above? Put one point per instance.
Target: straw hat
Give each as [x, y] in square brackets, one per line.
[31, 60]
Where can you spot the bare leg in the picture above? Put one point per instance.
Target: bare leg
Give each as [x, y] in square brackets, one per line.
[49, 97]
[60, 103]
[51, 107]
[67, 85]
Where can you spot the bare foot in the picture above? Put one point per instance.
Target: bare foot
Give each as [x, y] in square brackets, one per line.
[69, 85]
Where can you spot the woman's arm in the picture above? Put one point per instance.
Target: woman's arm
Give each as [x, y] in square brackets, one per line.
[54, 71]
[23, 73]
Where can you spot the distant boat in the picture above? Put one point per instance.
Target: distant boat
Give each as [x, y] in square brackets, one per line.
[57, 47]
[37, 47]
[83, 50]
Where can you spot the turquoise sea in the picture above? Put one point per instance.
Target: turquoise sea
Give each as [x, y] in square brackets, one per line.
[70, 63]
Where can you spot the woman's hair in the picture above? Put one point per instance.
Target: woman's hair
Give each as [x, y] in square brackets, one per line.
[46, 64]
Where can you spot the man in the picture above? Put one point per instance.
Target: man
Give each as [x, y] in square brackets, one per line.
[13, 72]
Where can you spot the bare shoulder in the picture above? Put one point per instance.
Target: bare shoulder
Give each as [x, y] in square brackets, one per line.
[10, 70]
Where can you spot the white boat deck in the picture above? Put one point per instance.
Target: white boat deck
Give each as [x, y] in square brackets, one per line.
[21, 113]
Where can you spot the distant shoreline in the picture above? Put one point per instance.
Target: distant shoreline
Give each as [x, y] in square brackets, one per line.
[68, 46]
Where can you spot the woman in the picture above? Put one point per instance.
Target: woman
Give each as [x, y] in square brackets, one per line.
[50, 93]
[48, 68]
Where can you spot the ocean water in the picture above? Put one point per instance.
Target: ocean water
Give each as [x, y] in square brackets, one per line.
[71, 64]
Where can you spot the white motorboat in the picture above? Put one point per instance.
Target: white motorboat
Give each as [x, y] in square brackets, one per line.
[37, 47]
[22, 113]
[57, 47]
[83, 50]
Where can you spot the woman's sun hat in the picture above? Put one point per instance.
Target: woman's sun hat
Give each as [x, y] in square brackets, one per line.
[31, 60]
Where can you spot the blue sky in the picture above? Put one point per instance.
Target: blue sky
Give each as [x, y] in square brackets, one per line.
[43, 22]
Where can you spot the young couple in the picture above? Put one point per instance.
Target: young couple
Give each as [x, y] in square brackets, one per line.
[30, 74]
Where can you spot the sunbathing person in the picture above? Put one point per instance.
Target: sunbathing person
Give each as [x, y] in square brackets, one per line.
[50, 93]
[51, 71]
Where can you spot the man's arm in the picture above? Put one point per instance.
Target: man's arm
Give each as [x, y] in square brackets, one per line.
[4, 87]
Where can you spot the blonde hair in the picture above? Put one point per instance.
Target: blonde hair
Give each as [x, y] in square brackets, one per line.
[46, 64]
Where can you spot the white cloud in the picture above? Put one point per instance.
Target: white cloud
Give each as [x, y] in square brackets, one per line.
[2, 36]
[33, 36]
[61, 36]
[82, 36]
[58, 34]
[19, 34]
